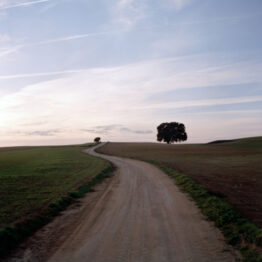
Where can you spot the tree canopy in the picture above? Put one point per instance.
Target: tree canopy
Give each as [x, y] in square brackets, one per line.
[97, 139]
[171, 132]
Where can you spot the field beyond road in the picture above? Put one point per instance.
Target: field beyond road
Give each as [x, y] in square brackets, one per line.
[230, 170]
[33, 177]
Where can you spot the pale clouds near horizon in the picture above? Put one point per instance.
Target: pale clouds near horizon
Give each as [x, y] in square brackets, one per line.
[128, 74]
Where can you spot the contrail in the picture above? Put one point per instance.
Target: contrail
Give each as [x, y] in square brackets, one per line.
[24, 4]
[70, 38]
[5, 51]
[3, 77]
[64, 39]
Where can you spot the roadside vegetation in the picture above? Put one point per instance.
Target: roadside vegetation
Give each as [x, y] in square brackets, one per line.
[223, 178]
[36, 183]
[238, 231]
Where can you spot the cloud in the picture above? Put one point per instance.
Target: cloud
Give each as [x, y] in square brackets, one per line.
[140, 132]
[129, 12]
[227, 19]
[5, 6]
[49, 5]
[34, 123]
[209, 102]
[115, 101]
[4, 38]
[70, 38]
[180, 4]
[169, 73]
[53, 40]
[55, 73]
[106, 129]
[5, 2]
[8, 50]
[224, 113]
[50, 132]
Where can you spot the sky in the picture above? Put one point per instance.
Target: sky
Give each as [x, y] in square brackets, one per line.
[71, 70]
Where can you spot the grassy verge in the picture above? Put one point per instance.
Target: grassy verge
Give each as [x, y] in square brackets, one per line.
[238, 231]
[12, 236]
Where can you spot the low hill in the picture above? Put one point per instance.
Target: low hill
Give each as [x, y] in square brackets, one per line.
[250, 142]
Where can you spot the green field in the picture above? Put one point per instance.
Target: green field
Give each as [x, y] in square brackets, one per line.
[33, 177]
[230, 170]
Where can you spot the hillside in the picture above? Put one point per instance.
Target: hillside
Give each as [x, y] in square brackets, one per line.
[251, 142]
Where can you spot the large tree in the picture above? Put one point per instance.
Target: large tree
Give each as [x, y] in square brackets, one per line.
[97, 140]
[171, 132]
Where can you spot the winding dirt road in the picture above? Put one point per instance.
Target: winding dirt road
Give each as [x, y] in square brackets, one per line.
[138, 215]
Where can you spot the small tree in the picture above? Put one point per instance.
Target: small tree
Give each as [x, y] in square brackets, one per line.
[171, 132]
[97, 140]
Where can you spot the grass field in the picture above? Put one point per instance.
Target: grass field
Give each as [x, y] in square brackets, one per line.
[33, 177]
[229, 170]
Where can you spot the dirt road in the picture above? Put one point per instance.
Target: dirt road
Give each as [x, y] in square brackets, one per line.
[140, 215]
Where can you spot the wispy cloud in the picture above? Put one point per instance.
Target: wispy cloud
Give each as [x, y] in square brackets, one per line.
[225, 113]
[8, 50]
[30, 75]
[90, 101]
[106, 129]
[5, 6]
[70, 38]
[34, 123]
[187, 71]
[55, 40]
[45, 132]
[51, 132]
[139, 132]
[217, 20]
[208, 102]
[4, 38]
[180, 4]
[129, 12]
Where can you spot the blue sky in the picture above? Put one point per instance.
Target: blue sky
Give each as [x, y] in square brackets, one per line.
[74, 69]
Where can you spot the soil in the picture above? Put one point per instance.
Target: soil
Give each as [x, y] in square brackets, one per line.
[231, 172]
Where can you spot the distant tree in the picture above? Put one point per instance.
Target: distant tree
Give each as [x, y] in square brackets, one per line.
[97, 140]
[171, 132]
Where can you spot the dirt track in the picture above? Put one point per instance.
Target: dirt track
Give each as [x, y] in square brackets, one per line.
[138, 215]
